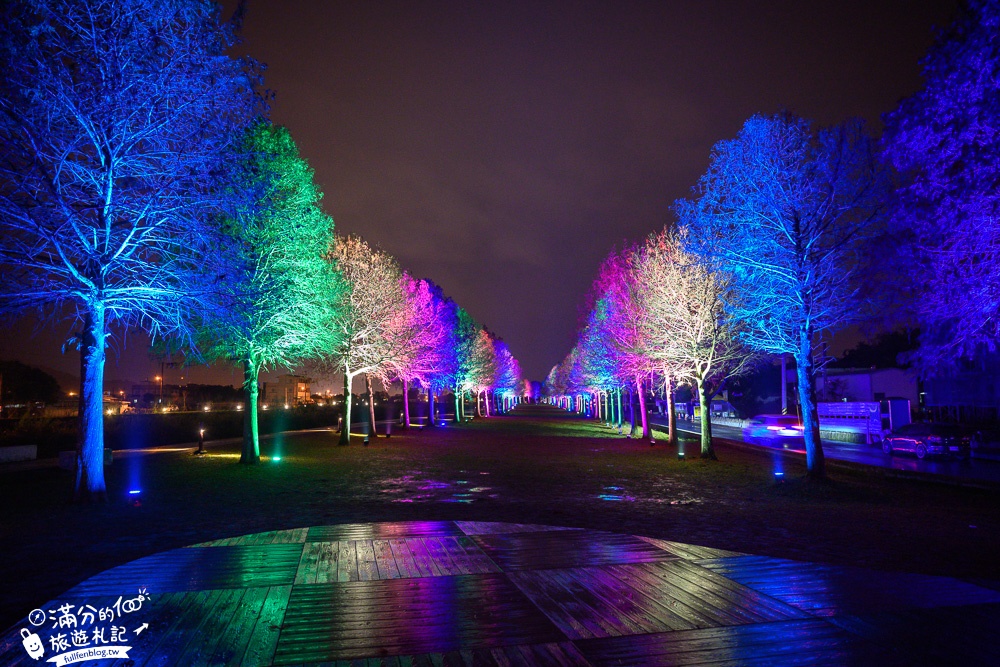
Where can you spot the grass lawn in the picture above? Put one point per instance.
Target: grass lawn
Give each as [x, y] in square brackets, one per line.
[524, 469]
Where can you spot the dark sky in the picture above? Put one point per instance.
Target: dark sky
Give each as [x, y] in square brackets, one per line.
[502, 148]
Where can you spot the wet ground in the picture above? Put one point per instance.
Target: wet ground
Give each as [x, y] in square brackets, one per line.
[539, 467]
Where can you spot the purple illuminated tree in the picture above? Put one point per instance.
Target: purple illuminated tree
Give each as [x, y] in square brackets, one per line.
[945, 143]
[115, 117]
[426, 349]
[783, 210]
[271, 294]
[508, 381]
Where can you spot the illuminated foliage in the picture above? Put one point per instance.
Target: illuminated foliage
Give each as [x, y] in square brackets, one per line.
[685, 330]
[114, 118]
[370, 317]
[782, 210]
[427, 346]
[272, 293]
[945, 142]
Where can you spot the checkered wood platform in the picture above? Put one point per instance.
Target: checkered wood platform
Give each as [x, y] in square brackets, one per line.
[472, 593]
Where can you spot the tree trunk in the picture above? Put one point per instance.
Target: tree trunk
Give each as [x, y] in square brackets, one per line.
[642, 408]
[815, 461]
[251, 438]
[486, 401]
[371, 406]
[458, 406]
[89, 484]
[406, 404]
[430, 406]
[478, 411]
[621, 416]
[668, 388]
[345, 415]
[707, 451]
[631, 413]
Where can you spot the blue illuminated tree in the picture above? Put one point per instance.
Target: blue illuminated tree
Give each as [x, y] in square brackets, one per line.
[114, 119]
[945, 143]
[784, 209]
[271, 293]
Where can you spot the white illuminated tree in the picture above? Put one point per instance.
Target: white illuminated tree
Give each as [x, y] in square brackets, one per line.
[685, 330]
[370, 317]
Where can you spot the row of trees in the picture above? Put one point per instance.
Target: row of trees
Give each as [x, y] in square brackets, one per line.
[788, 225]
[141, 185]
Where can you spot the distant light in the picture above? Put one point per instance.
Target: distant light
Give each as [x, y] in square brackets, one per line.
[286, 406]
[239, 407]
[264, 406]
[207, 408]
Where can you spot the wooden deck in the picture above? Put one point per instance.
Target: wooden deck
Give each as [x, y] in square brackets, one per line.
[474, 593]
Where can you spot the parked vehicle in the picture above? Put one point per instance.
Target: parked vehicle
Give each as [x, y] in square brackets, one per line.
[774, 430]
[928, 440]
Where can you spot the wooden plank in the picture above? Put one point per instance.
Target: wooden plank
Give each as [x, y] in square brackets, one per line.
[367, 567]
[386, 562]
[494, 528]
[766, 607]
[234, 639]
[423, 560]
[408, 617]
[689, 551]
[572, 616]
[478, 560]
[404, 559]
[617, 611]
[266, 631]
[347, 562]
[708, 597]
[185, 628]
[202, 646]
[442, 559]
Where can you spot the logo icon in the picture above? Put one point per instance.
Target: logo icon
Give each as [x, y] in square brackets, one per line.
[32, 643]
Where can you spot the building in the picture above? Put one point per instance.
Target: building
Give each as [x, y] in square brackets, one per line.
[287, 390]
[867, 385]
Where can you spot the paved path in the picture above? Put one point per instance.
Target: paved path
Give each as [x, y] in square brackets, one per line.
[977, 472]
[473, 593]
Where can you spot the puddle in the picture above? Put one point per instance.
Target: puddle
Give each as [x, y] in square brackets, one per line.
[417, 487]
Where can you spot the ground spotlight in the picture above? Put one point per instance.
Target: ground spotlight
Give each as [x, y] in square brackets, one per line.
[779, 477]
[135, 497]
[680, 456]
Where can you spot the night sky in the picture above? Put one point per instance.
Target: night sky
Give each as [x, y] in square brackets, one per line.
[502, 149]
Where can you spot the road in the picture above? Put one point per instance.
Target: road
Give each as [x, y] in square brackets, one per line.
[975, 469]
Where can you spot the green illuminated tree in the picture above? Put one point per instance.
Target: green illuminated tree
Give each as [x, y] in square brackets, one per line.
[272, 295]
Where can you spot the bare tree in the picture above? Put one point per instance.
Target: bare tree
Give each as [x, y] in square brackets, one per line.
[684, 326]
[370, 318]
[783, 210]
[114, 119]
